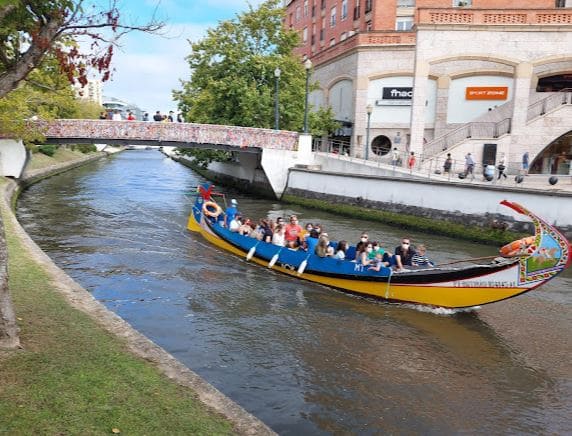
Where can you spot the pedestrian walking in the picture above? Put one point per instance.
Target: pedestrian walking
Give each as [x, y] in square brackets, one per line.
[502, 167]
[469, 166]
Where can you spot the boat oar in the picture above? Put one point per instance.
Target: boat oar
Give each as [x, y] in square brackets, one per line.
[303, 265]
[274, 258]
[251, 251]
[476, 258]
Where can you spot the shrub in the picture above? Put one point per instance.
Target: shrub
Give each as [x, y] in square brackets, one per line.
[48, 149]
[85, 148]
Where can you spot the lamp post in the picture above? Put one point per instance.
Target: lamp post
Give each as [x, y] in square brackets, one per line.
[308, 67]
[276, 110]
[369, 110]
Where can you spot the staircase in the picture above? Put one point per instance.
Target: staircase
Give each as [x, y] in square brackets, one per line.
[494, 129]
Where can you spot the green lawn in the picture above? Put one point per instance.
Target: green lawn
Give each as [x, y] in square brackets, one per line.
[72, 377]
[63, 154]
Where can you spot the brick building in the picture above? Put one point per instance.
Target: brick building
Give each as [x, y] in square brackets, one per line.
[441, 76]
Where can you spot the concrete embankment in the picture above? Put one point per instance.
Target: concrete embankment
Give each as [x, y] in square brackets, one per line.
[135, 342]
[470, 205]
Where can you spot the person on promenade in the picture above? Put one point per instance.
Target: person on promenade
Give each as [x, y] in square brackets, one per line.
[230, 212]
[130, 116]
[489, 172]
[158, 117]
[502, 167]
[525, 163]
[116, 115]
[146, 116]
[411, 161]
[394, 157]
[448, 164]
[179, 117]
[469, 166]
[103, 115]
[170, 118]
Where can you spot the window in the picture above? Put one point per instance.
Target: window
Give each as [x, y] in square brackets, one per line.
[343, 36]
[323, 4]
[298, 14]
[344, 13]
[333, 13]
[305, 8]
[368, 5]
[405, 3]
[368, 26]
[560, 3]
[356, 11]
[332, 41]
[404, 24]
[461, 3]
[305, 35]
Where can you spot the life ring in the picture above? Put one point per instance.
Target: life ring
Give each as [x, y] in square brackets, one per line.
[211, 209]
[517, 247]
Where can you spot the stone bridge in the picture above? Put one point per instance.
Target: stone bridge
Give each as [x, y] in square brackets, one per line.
[273, 151]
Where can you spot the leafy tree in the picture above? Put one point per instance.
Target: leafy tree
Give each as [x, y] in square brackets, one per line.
[32, 29]
[45, 94]
[322, 122]
[232, 72]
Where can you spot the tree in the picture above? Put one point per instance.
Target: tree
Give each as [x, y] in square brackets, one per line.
[32, 29]
[232, 72]
[45, 94]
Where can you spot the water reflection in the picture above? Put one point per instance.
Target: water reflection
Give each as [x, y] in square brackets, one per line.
[302, 357]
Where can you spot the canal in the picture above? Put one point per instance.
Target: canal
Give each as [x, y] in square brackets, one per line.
[303, 358]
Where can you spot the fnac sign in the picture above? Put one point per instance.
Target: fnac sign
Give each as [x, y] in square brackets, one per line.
[486, 93]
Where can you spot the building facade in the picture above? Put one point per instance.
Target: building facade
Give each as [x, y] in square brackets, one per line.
[444, 76]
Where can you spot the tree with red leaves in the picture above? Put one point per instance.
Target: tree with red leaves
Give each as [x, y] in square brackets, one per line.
[32, 29]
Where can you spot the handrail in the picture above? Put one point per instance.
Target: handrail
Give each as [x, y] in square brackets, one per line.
[475, 129]
[541, 107]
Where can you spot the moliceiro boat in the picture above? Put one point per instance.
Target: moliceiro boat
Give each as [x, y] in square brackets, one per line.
[521, 266]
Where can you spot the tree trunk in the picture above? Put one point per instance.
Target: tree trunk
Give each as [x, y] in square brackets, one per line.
[8, 328]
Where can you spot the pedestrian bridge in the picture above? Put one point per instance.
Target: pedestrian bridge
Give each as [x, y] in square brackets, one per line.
[272, 151]
[184, 135]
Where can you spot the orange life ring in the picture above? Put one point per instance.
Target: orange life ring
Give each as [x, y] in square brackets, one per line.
[517, 247]
[211, 209]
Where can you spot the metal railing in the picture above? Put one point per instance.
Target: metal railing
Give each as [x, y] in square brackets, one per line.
[477, 129]
[549, 103]
[342, 148]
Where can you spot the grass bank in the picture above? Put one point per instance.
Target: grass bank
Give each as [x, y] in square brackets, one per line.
[445, 228]
[74, 377]
[62, 155]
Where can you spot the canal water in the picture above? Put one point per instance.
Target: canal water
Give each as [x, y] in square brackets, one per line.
[303, 358]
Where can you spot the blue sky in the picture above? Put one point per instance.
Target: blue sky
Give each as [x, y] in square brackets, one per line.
[149, 67]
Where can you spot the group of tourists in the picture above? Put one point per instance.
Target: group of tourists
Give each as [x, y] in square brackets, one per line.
[490, 172]
[115, 115]
[312, 238]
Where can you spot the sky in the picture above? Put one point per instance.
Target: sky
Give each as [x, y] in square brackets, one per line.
[148, 67]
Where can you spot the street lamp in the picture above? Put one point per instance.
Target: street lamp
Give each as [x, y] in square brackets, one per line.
[276, 110]
[369, 110]
[308, 67]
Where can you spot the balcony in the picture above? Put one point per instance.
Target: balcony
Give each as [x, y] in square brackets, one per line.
[501, 17]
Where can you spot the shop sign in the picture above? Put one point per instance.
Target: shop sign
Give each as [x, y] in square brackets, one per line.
[396, 96]
[486, 93]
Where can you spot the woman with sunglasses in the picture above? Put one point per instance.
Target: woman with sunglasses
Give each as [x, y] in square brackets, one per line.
[404, 253]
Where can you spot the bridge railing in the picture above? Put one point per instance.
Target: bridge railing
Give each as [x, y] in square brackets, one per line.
[102, 130]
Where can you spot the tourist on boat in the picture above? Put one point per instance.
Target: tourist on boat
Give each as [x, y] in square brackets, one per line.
[265, 229]
[292, 232]
[323, 248]
[230, 212]
[278, 236]
[404, 253]
[376, 249]
[312, 241]
[318, 228]
[235, 223]
[360, 246]
[420, 257]
[363, 254]
[246, 228]
[377, 262]
[340, 251]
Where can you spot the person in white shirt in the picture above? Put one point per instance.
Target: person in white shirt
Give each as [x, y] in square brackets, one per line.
[116, 116]
[278, 237]
[235, 223]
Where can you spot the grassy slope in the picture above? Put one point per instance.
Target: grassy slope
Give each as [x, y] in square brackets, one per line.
[62, 154]
[72, 377]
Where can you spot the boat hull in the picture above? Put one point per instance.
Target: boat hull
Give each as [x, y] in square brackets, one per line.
[449, 288]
